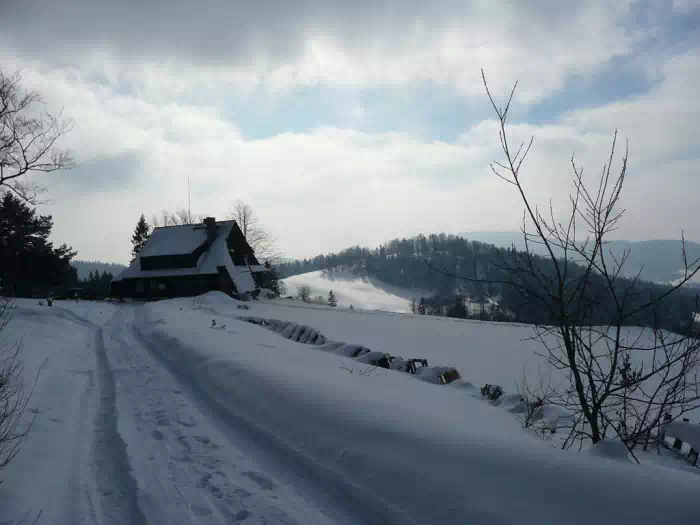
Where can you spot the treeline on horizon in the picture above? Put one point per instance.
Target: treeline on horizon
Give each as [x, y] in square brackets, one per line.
[453, 268]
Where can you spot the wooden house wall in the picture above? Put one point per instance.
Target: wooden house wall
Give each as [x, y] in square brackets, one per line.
[159, 262]
[173, 286]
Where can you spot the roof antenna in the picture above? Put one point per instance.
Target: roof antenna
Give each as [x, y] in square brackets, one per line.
[189, 201]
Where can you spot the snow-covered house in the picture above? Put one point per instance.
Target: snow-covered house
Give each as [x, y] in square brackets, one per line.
[191, 259]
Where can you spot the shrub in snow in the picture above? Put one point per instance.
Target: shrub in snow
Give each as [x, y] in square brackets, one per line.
[491, 392]
[379, 359]
[399, 363]
[352, 350]
[332, 345]
[296, 333]
[439, 375]
[450, 375]
[411, 364]
[304, 293]
[289, 330]
[306, 334]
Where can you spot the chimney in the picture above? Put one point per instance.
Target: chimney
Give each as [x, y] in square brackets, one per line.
[210, 223]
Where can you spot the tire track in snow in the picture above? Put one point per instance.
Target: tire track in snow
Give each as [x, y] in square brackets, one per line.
[117, 489]
[344, 500]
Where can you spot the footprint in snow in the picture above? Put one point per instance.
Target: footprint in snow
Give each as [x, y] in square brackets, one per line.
[242, 493]
[263, 482]
[242, 514]
[158, 435]
[204, 481]
[206, 441]
[200, 511]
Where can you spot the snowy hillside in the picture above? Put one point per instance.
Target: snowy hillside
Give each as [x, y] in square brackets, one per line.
[179, 412]
[367, 293]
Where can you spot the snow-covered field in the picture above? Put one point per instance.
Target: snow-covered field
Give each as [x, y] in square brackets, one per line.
[148, 414]
[367, 293]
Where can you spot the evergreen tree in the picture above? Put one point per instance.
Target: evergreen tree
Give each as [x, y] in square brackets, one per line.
[270, 280]
[29, 262]
[141, 234]
[332, 301]
[458, 309]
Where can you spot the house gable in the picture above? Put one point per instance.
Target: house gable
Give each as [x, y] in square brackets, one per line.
[240, 251]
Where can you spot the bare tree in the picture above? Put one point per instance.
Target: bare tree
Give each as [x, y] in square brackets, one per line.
[13, 395]
[262, 242]
[304, 293]
[28, 138]
[186, 217]
[616, 381]
[180, 217]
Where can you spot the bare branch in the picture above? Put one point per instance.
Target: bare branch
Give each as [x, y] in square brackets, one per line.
[28, 139]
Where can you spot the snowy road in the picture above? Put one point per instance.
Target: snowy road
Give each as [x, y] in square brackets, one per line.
[145, 415]
[117, 442]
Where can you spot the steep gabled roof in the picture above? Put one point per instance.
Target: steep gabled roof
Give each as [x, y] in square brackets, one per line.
[175, 240]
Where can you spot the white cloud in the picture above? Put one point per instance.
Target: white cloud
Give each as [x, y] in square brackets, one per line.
[686, 6]
[328, 188]
[188, 51]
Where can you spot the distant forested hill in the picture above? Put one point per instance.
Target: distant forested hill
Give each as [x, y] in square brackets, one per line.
[85, 267]
[434, 263]
[658, 260]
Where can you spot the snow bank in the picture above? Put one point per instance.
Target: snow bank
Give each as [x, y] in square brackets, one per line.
[440, 375]
[615, 450]
[418, 452]
[214, 299]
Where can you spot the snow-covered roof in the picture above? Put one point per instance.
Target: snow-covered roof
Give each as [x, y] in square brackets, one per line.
[172, 240]
[183, 239]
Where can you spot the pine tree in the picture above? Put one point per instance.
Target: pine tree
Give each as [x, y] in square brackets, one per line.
[141, 234]
[270, 280]
[29, 262]
[332, 301]
[458, 309]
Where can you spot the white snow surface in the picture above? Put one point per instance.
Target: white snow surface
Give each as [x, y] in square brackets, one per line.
[363, 292]
[148, 414]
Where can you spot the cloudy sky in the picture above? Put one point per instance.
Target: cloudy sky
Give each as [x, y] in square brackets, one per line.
[352, 122]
